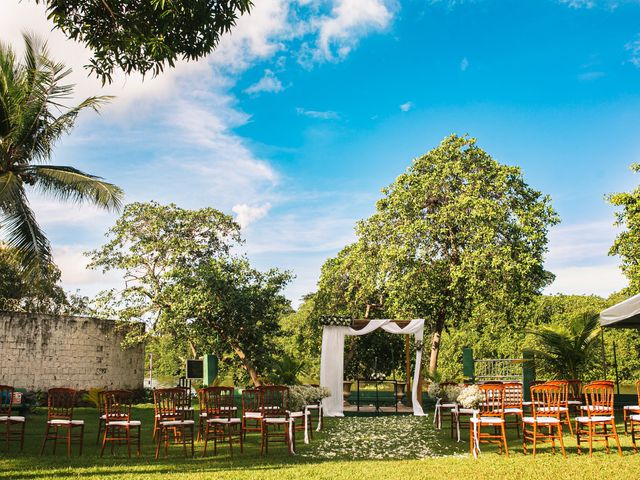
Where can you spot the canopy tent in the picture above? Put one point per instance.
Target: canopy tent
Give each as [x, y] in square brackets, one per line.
[332, 360]
[625, 314]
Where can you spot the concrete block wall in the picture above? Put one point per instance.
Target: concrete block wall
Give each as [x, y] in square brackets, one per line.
[39, 351]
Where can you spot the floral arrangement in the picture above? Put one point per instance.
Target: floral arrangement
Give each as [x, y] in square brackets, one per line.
[450, 393]
[335, 321]
[434, 390]
[303, 395]
[470, 397]
[377, 376]
[419, 344]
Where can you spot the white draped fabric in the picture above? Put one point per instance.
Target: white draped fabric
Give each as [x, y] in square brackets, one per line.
[332, 360]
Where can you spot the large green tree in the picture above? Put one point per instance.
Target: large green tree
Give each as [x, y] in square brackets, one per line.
[183, 280]
[456, 231]
[627, 243]
[144, 35]
[33, 118]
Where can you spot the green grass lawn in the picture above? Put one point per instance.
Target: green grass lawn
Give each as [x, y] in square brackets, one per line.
[355, 447]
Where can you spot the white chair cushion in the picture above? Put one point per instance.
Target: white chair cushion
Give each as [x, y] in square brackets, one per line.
[544, 420]
[103, 417]
[487, 420]
[448, 405]
[124, 423]
[552, 409]
[252, 415]
[224, 420]
[13, 418]
[276, 420]
[298, 414]
[59, 421]
[594, 408]
[574, 402]
[229, 408]
[596, 419]
[176, 423]
[512, 410]
[635, 417]
[632, 407]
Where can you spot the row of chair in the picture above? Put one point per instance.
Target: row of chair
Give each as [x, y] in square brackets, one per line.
[548, 411]
[264, 410]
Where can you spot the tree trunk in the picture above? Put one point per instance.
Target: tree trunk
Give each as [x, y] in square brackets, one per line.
[435, 346]
[248, 366]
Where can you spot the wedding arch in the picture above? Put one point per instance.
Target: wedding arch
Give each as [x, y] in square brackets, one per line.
[332, 357]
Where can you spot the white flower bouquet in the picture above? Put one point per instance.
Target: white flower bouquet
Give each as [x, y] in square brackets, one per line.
[335, 321]
[378, 376]
[434, 390]
[470, 397]
[450, 393]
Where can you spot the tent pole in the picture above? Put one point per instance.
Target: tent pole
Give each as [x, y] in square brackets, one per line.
[407, 361]
[604, 355]
[615, 367]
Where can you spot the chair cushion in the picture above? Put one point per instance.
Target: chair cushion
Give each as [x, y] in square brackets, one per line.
[124, 423]
[252, 415]
[224, 420]
[512, 410]
[635, 417]
[448, 405]
[313, 406]
[545, 420]
[298, 414]
[487, 420]
[552, 409]
[596, 419]
[595, 408]
[13, 418]
[176, 423]
[60, 421]
[632, 407]
[574, 402]
[276, 420]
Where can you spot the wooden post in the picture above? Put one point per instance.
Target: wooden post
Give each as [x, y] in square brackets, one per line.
[407, 358]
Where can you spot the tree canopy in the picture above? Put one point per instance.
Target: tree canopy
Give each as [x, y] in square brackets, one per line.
[144, 35]
[184, 281]
[456, 231]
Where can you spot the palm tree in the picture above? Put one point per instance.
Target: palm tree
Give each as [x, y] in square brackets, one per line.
[569, 350]
[32, 118]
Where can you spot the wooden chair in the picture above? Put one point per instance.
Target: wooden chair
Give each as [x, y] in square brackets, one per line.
[9, 420]
[545, 398]
[633, 419]
[599, 403]
[118, 423]
[276, 424]
[251, 414]
[317, 408]
[528, 405]
[221, 422]
[629, 410]
[169, 419]
[513, 404]
[60, 405]
[448, 408]
[562, 410]
[490, 414]
[102, 416]
[575, 395]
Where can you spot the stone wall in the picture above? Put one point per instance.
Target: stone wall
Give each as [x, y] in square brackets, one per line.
[38, 352]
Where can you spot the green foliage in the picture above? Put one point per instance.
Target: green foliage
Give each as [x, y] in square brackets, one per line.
[32, 119]
[457, 232]
[144, 36]
[627, 243]
[568, 351]
[93, 396]
[301, 336]
[286, 371]
[182, 279]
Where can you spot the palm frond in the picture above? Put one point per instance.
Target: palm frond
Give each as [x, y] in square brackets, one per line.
[21, 230]
[68, 183]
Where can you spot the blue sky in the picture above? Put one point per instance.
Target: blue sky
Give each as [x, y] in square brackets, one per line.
[310, 107]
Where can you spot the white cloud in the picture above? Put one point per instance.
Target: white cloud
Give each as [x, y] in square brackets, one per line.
[634, 51]
[268, 83]
[340, 31]
[464, 64]
[405, 107]
[578, 256]
[590, 76]
[579, 3]
[246, 214]
[75, 276]
[322, 115]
